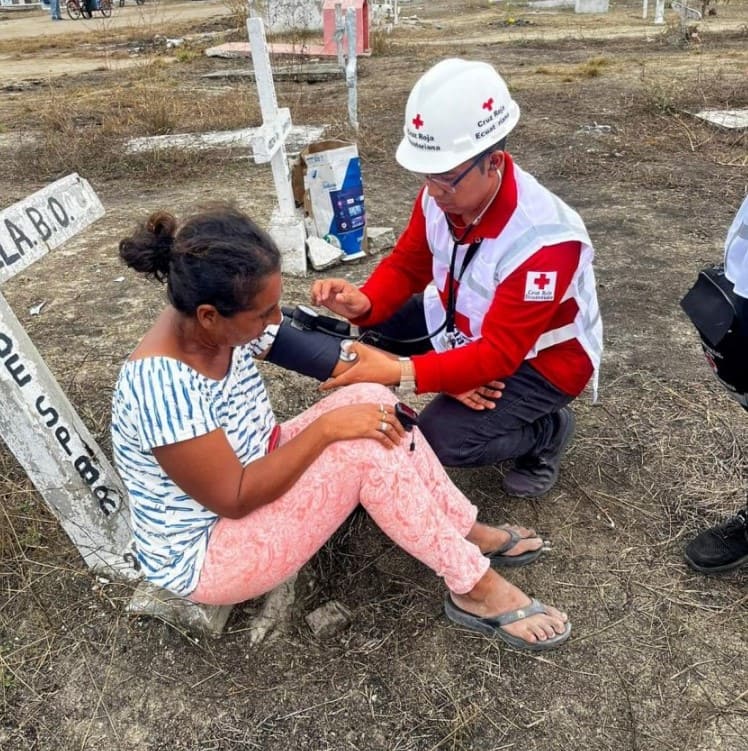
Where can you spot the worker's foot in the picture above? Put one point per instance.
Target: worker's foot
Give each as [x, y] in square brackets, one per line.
[535, 475]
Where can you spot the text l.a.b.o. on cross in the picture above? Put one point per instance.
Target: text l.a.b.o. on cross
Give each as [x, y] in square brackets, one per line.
[35, 226]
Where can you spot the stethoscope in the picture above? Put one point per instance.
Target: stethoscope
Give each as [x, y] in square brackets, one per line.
[307, 318]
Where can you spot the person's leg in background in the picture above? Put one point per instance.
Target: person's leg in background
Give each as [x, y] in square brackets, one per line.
[723, 547]
[54, 10]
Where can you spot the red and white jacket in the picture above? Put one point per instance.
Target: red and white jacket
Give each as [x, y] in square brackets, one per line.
[528, 294]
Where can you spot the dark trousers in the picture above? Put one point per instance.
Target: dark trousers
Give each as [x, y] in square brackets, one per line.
[521, 423]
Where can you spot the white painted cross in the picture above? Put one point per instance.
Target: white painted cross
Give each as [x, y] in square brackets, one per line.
[659, 12]
[269, 145]
[339, 34]
[37, 422]
[659, 16]
[346, 26]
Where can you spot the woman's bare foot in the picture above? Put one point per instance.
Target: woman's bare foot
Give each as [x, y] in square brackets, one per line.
[491, 539]
[493, 596]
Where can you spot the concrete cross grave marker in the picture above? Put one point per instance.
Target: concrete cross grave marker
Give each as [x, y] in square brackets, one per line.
[591, 6]
[42, 429]
[345, 29]
[269, 145]
[37, 422]
[659, 16]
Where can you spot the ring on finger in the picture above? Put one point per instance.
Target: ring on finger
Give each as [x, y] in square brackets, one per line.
[383, 426]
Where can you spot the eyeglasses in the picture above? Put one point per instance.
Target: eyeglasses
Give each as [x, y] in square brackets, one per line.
[450, 184]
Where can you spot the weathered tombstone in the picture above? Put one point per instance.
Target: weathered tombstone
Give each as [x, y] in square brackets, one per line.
[40, 426]
[291, 15]
[286, 224]
[591, 6]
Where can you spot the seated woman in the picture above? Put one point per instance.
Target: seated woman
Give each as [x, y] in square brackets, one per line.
[226, 504]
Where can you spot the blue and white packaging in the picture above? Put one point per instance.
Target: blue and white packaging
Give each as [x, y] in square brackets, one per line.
[334, 195]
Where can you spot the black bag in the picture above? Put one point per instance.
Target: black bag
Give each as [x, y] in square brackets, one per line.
[719, 316]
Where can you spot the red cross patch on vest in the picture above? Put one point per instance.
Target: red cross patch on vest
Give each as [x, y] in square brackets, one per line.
[540, 286]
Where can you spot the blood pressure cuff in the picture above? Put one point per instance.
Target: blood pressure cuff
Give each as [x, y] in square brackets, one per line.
[311, 353]
[721, 319]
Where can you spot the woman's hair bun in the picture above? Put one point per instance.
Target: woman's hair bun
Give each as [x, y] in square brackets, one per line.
[148, 249]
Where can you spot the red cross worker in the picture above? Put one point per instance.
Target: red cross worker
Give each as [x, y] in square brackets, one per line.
[488, 298]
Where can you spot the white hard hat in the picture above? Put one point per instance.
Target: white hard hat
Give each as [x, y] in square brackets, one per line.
[456, 110]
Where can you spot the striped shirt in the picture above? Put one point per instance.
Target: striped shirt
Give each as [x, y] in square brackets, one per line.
[159, 401]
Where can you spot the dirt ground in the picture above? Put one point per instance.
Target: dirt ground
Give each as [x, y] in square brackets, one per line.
[66, 56]
[658, 654]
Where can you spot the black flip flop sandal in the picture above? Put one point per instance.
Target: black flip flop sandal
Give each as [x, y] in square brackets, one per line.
[500, 560]
[495, 626]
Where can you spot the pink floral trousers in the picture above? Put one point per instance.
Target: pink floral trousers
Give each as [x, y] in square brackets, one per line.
[407, 494]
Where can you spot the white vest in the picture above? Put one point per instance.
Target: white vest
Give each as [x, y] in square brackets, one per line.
[736, 251]
[540, 219]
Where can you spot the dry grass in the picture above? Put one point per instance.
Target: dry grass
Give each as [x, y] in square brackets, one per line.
[83, 128]
[381, 42]
[593, 67]
[240, 11]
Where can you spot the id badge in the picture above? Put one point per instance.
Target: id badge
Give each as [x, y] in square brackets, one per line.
[454, 339]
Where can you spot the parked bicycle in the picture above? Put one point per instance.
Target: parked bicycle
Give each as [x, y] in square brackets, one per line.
[86, 8]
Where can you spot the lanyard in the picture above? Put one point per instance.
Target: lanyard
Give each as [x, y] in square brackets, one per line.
[469, 255]
[454, 282]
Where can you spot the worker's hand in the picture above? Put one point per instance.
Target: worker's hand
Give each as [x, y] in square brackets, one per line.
[484, 397]
[340, 297]
[376, 421]
[372, 365]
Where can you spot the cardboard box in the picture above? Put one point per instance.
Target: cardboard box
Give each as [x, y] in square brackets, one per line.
[327, 182]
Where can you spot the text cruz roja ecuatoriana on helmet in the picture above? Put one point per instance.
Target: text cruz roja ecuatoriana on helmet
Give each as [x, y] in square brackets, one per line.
[487, 125]
[491, 123]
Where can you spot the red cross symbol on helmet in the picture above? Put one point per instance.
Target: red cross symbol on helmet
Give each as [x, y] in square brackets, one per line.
[488, 104]
[417, 122]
